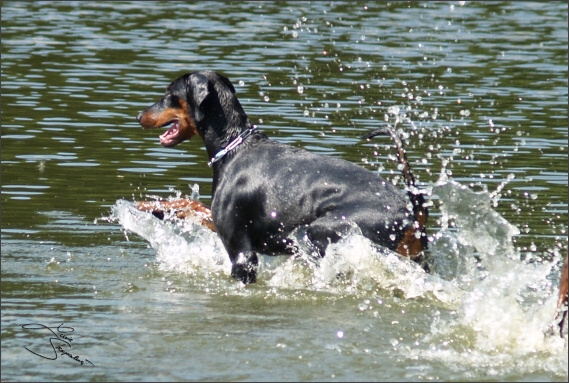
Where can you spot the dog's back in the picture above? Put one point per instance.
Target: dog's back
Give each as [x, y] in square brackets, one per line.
[266, 190]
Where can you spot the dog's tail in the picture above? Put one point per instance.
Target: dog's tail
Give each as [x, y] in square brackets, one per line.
[417, 199]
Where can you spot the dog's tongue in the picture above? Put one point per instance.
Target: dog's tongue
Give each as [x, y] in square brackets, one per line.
[169, 137]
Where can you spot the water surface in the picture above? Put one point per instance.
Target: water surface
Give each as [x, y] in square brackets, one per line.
[481, 89]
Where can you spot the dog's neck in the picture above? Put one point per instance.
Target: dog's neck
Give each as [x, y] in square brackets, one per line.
[222, 152]
[232, 145]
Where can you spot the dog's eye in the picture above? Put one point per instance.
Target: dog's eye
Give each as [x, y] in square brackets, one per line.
[174, 100]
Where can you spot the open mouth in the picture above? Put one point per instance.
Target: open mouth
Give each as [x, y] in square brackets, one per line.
[171, 136]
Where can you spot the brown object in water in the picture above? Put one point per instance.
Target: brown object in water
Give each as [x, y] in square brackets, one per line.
[562, 301]
[182, 208]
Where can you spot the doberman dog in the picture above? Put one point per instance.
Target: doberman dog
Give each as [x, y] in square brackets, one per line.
[263, 190]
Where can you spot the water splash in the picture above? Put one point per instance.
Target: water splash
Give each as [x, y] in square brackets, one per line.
[499, 323]
[183, 246]
[354, 265]
[500, 304]
[482, 227]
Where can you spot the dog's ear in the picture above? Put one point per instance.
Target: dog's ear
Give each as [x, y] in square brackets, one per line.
[197, 89]
[227, 82]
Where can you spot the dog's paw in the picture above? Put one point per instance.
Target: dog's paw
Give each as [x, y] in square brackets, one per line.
[244, 268]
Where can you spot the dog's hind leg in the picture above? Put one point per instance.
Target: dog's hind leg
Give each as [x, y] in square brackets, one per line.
[327, 230]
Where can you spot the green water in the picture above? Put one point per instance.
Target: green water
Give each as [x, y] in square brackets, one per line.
[480, 87]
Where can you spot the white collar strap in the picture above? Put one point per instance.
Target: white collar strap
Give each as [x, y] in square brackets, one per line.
[233, 144]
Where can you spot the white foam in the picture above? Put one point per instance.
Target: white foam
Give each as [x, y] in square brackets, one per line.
[181, 245]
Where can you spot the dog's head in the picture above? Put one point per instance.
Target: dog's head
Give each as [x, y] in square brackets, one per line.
[191, 103]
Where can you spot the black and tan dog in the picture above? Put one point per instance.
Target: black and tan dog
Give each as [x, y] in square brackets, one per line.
[264, 190]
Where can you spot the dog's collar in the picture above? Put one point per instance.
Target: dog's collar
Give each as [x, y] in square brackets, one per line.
[233, 144]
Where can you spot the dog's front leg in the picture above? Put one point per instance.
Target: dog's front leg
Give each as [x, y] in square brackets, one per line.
[244, 267]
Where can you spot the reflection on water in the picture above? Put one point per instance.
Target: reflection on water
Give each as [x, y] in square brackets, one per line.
[481, 88]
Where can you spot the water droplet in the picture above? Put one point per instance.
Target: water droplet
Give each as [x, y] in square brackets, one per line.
[393, 110]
